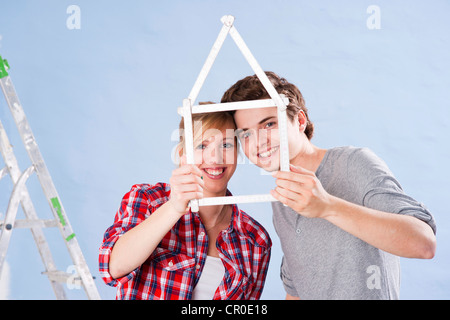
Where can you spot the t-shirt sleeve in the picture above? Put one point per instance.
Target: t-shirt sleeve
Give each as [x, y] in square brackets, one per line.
[286, 278]
[381, 190]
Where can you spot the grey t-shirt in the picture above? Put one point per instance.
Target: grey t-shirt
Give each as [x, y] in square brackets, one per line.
[321, 261]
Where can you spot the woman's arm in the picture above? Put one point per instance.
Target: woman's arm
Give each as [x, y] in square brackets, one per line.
[262, 267]
[138, 243]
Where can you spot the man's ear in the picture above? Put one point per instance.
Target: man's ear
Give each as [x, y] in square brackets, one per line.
[302, 121]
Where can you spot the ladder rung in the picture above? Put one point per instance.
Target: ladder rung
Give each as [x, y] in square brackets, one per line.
[3, 172]
[60, 276]
[27, 223]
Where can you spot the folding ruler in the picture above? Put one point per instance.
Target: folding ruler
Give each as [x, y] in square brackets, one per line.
[21, 196]
[276, 100]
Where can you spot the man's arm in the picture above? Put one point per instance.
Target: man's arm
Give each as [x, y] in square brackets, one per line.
[402, 235]
[398, 234]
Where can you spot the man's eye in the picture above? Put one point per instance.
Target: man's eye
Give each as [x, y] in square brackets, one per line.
[228, 145]
[245, 134]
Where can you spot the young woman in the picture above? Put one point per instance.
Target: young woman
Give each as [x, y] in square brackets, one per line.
[158, 248]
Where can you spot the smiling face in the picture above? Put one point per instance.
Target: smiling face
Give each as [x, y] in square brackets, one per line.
[259, 136]
[217, 154]
[215, 150]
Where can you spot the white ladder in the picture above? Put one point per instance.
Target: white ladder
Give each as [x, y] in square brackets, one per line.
[21, 196]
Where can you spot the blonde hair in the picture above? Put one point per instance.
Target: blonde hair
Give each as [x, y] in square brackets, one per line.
[201, 123]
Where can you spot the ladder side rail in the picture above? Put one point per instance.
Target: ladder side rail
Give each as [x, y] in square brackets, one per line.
[12, 167]
[48, 187]
[33, 152]
[11, 213]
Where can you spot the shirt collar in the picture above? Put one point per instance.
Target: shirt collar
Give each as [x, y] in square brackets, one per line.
[235, 216]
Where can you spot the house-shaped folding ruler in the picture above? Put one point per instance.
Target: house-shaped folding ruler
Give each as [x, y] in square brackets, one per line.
[276, 100]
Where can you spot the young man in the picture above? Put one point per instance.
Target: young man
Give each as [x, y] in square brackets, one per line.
[342, 218]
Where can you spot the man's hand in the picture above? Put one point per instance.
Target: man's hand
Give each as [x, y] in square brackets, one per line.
[302, 191]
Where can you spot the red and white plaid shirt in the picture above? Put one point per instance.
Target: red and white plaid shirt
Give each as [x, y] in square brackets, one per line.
[174, 268]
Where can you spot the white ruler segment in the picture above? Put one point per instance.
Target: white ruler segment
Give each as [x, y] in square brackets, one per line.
[229, 106]
[189, 141]
[211, 58]
[236, 199]
[282, 123]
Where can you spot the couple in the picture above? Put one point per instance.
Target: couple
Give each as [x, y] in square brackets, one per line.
[342, 218]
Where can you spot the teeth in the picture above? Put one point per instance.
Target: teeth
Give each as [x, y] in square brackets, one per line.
[268, 153]
[214, 172]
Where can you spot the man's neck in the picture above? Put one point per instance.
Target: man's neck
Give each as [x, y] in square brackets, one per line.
[309, 158]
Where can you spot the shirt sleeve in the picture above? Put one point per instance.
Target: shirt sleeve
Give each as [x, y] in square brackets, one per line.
[381, 190]
[136, 205]
[262, 245]
[262, 267]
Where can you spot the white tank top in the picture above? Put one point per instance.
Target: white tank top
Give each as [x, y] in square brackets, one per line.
[212, 275]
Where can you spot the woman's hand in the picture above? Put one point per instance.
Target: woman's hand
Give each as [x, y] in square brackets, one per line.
[302, 191]
[186, 184]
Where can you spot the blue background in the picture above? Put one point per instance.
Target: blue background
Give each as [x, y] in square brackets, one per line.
[102, 103]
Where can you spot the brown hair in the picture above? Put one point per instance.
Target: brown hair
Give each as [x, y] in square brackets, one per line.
[250, 88]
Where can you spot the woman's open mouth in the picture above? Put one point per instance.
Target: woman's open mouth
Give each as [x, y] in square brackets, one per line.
[215, 173]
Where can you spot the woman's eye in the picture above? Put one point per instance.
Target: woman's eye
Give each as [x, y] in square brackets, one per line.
[200, 147]
[270, 124]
